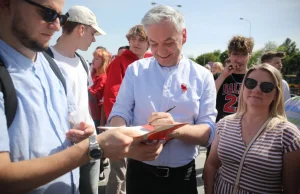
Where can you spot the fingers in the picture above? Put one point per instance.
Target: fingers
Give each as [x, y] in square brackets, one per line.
[145, 152]
[160, 118]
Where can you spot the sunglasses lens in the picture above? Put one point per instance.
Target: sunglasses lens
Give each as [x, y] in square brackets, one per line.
[267, 87]
[63, 19]
[250, 83]
[50, 15]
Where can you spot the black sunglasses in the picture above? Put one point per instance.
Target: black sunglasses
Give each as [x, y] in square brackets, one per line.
[49, 15]
[265, 87]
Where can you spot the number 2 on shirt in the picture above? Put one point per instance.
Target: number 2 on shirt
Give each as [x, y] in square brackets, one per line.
[228, 107]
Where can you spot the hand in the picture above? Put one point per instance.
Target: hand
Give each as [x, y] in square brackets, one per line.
[145, 152]
[115, 143]
[160, 118]
[229, 69]
[81, 132]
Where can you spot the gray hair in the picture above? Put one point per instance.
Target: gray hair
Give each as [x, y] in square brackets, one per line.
[162, 13]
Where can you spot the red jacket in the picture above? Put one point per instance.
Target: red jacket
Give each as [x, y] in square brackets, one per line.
[116, 73]
[97, 91]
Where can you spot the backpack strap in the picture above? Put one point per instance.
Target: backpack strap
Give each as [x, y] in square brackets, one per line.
[56, 70]
[49, 52]
[84, 63]
[9, 94]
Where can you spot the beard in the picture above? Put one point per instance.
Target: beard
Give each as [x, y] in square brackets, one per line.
[21, 32]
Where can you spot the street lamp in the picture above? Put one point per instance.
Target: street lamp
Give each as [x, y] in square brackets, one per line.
[249, 24]
[154, 3]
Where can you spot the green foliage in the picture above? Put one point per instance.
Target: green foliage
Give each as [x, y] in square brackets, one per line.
[223, 56]
[208, 57]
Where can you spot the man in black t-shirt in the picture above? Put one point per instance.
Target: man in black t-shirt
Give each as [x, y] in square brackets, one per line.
[229, 81]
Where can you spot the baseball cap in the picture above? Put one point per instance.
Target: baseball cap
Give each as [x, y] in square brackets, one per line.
[84, 15]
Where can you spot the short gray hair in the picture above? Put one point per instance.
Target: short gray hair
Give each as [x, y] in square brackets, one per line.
[164, 13]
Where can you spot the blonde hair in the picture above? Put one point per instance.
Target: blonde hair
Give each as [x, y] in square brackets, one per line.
[137, 30]
[276, 108]
[106, 59]
[220, 66]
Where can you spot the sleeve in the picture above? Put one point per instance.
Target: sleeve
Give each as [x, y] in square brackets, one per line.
[286, 90]
[291, 138]
[125, 100]
[207, 109]
[113, 83]
[4, 137]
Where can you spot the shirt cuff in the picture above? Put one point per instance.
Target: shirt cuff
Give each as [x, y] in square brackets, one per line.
[211, 134]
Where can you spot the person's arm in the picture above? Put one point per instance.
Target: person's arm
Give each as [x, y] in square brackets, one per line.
[291, 160]
[113, 83]
[291, 172]
[30, 174]
[211, 167]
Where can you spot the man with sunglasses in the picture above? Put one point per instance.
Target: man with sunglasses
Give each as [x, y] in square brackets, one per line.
[274, 59]
[36, 156]
[77, 34]
[229, 81]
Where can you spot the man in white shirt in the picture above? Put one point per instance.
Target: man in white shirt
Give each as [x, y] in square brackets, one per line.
[274, 59]
[153, 85]
[78, 33]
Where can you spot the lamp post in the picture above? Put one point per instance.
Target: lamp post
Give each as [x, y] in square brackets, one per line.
[249, 24]
[154, 3]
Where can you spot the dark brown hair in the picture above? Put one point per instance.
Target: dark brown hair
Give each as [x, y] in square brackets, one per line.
[270, 55]
[241, 44]
[70, 26]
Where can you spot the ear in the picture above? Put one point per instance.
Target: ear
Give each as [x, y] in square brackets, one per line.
[184, 36]
[81, 29]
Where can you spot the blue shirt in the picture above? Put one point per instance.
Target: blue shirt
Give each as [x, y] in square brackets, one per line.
[41, 120]
[148, 87]
[292, 109]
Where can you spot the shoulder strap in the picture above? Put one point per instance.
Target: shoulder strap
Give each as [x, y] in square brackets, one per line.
[49, 52]
[9, 94]
[84, 63]
[237, 180]
[56, 70]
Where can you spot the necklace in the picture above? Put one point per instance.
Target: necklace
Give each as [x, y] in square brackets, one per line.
[235, 80]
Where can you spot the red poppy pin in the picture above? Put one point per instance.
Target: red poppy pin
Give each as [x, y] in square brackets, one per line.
[183, 87]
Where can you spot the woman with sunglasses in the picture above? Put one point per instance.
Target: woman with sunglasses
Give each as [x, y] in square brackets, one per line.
[272, 163]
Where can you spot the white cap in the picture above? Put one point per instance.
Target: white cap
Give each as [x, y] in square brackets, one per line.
[84, 15]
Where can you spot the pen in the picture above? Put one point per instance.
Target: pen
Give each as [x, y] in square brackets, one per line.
[170, 109]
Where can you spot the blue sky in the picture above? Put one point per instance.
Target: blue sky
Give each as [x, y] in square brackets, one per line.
[210, 24]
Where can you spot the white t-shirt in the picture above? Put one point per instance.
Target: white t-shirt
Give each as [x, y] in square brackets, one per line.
[286, 91]
[76, 77]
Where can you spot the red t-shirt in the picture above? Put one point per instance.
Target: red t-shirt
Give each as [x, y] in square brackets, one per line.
[97, 92]
[116, 73]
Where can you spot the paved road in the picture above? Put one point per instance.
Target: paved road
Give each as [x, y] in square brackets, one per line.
[199, 168]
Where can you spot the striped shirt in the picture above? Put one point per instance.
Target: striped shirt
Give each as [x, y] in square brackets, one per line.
[263, 165]
[292, 109]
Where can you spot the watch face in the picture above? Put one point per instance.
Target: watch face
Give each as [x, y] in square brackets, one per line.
[96, 153]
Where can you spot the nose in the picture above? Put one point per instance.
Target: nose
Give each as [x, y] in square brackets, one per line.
[94, 39]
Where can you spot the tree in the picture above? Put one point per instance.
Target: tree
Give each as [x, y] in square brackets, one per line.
[207, 57]
[223, 56]
[270, 46]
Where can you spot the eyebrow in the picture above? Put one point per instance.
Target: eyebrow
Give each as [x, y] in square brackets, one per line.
[168, 39]
[50, 7]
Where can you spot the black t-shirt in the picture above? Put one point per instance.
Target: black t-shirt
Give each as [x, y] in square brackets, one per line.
[228, 94]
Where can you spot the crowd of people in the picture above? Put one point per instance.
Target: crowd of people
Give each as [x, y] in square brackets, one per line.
[52, 101]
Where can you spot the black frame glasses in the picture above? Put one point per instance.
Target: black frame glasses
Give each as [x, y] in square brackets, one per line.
[265, 87]
[49, 15]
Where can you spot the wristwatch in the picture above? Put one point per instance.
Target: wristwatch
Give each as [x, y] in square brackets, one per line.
[95, 152]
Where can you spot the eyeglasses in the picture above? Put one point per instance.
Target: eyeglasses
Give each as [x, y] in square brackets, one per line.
[49, 15]
[265, 87]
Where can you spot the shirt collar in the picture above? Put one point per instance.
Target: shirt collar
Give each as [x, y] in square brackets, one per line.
[12, 58]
